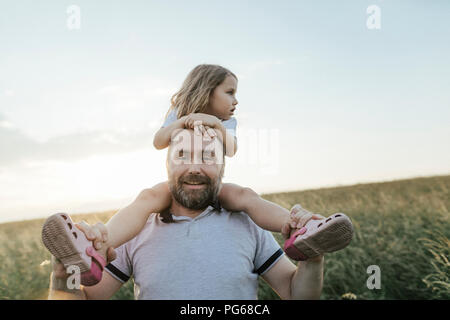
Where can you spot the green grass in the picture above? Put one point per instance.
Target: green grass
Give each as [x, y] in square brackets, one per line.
[401, 226]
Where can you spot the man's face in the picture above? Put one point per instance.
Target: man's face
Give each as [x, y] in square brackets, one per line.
[195, 169]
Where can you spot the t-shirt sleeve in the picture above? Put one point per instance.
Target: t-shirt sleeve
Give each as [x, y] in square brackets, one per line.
[171, 118]
[121, 267]
[230, 126]
[268, 251]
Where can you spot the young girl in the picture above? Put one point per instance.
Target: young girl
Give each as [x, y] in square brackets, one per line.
[206, 103]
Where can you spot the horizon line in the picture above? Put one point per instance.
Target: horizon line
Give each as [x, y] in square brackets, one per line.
[367, 182]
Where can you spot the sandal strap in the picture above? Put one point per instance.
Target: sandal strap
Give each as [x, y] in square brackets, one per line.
[91, 252]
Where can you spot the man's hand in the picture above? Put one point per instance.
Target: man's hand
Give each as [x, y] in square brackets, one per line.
[298, 219]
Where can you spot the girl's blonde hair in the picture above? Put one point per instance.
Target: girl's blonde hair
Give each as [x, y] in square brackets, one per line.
[197, 88]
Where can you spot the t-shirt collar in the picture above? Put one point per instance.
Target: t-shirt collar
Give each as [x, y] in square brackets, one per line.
[210, 209]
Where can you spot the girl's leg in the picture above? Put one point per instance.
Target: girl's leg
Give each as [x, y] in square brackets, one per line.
[65, 244]
[265, 214]
[129, 221]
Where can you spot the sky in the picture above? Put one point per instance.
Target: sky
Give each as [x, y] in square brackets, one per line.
[330, 93]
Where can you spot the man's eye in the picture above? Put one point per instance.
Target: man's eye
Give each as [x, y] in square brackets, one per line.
[182, 154]
[209, 155]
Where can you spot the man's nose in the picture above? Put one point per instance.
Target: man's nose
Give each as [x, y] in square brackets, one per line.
[194, 169]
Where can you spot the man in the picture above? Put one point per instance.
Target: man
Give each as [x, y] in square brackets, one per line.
[198, 250]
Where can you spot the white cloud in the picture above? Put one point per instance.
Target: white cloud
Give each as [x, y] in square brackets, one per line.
[106, 137]
[113, 89]
[154, 124]
[145, 87]
[9, 93]
[18, 148]
[6, 124]
[250, 69]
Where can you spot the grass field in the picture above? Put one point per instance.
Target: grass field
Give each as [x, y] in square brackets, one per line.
[401, 226]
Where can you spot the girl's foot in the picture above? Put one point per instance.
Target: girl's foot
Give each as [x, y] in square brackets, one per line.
[320, 236]
[69, 245]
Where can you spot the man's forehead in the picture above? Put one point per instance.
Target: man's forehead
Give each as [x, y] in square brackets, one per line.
[189, 141]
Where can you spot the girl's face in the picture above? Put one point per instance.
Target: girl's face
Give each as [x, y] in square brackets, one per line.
[222, 102]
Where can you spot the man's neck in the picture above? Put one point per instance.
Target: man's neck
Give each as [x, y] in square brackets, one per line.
[178, 210]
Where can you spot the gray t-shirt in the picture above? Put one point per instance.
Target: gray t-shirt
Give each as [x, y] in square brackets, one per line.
[217, 255]
[230, 124]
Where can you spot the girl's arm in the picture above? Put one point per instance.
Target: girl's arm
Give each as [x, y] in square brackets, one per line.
[129, 221]
[265, 214]
[163, 136]
[206, 121]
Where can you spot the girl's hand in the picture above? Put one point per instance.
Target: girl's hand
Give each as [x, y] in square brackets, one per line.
[98, 234]
[298, 219]
[207, 132]
[201, 119]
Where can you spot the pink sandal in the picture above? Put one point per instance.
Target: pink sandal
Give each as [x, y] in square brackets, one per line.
[69, 244]
[321, 236]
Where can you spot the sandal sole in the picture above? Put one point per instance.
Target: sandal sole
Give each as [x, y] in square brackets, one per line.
[322, 236]
[66, 242]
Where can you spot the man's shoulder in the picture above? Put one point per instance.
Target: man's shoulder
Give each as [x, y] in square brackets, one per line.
[145, 231]
[241, 218]
[234, 214]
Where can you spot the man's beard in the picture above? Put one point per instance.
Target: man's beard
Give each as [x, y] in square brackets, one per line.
[195, 199]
